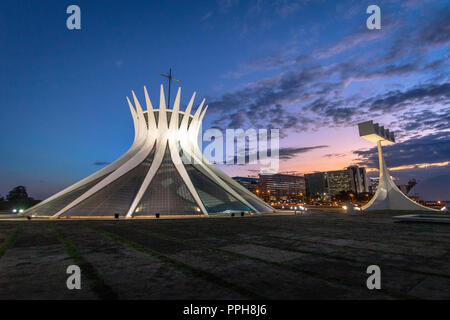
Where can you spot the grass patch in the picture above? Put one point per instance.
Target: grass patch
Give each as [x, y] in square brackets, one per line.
[9, 242]
[97, 284]
[180, 265]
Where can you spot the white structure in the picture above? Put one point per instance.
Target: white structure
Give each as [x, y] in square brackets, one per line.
[163, 172]
[387, 196]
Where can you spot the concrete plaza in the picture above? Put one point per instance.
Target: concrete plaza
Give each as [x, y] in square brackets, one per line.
[320, 255]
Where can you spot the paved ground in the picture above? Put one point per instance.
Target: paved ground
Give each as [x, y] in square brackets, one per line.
[322, 255]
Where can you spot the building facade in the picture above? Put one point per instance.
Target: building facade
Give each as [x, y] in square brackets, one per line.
[340, 180]
[359, 179]
[373, 184]
[281, 186]
[316, 184]
[331, 183]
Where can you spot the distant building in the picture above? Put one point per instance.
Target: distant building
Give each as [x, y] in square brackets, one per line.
[282, 186]
[248, 182]
[340, 180]
[405, 188]
[373, 184]
[316, 183]
[332, 183]
[359, 179]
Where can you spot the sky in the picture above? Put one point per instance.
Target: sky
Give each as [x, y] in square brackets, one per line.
[312, 69]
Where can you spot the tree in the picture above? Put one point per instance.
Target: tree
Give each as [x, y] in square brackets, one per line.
[3, 203]
[18, 194]
[18, 197]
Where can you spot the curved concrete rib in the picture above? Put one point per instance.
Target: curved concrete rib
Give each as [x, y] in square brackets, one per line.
[150, 111]
[138, 141]
[148, 137]
[190, 147]
[219, 173]
[161, 143]
[235, 184]
[175, 133]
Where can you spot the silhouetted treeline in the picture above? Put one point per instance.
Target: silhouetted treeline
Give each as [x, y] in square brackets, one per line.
[17, 198]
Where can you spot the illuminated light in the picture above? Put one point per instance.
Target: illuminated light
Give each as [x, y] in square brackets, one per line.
[344, 207]
[14, 210]
[21, 210]
[198, 209]
[444, 209]
[358, 208]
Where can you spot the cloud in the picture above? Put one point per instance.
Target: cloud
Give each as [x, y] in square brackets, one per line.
[350, 42]
[309, 92]
[416, 39]
[289, 152]
[264, 101]
[334, 110]
[410, 4]
[334, 155]
[287, 7]
[430, 148]
[207, 15]
[268, 62]
[284, 153]
[426, 120]
[281, 8]
[394, 100]
[437, 31]
[270, 102]
[226, 5]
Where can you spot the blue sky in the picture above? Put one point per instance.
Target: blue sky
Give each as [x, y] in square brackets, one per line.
[310, 68]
